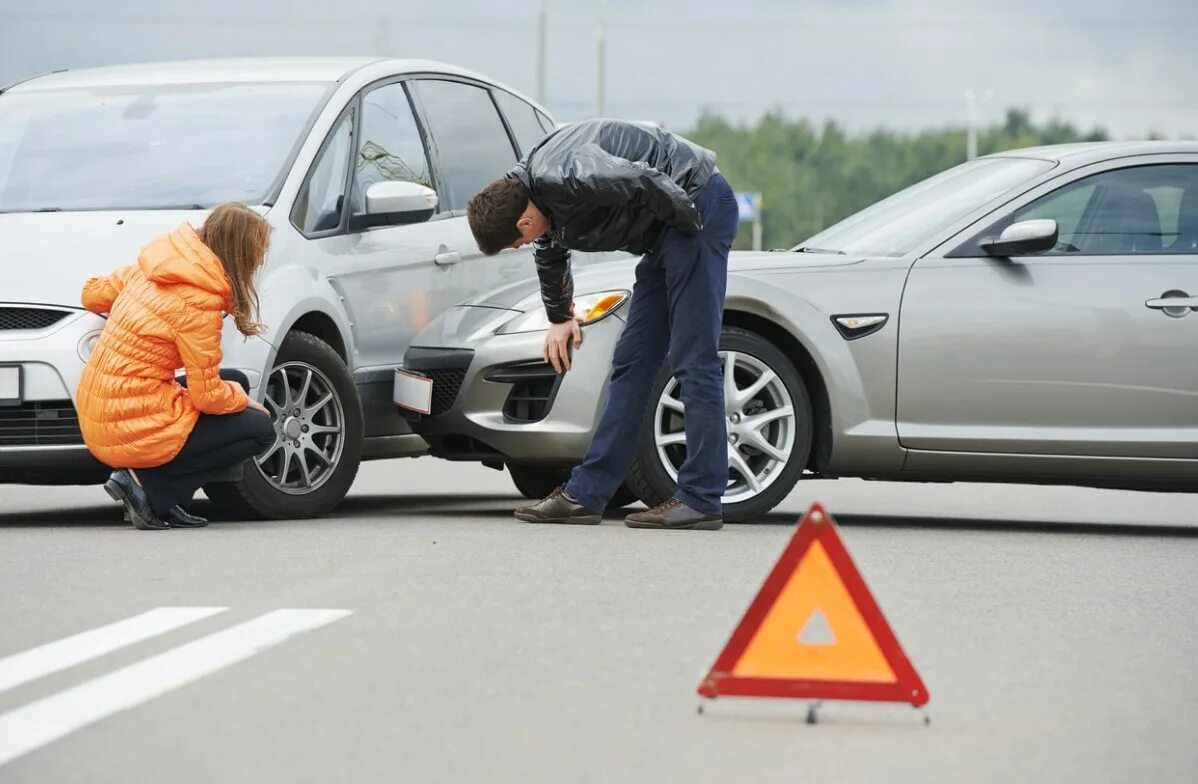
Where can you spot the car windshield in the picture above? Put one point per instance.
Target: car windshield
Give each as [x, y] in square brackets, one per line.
[148, 147]
[897, 225]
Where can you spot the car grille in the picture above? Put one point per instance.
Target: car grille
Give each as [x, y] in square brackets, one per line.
[446, 385]
[446, 367]
[29, 318]
[44, 423]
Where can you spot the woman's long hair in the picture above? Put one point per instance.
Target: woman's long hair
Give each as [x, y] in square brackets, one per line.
[239, 237]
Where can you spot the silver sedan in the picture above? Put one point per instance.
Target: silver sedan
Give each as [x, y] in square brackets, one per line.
[1025, 317]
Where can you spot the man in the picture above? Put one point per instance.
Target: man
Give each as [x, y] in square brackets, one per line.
[606, 185]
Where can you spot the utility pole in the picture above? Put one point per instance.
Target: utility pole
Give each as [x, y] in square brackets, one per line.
[757, 227]
[971, 112]
[542, 39]
[971, 130]
[601, 57]
[382, 36]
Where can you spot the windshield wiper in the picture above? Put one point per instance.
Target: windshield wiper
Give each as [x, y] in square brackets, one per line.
[806, 249]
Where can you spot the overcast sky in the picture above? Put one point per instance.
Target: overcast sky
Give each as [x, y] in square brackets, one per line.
[1131, 67]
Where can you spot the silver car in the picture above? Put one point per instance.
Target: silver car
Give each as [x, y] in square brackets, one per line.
[1025, 317]
[363, 168]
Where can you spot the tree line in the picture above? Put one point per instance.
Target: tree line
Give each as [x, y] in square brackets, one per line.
[811, 177]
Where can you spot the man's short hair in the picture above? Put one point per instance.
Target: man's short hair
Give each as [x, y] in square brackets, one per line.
[493, 213]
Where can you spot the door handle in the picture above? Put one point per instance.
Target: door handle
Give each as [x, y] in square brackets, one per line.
[1173, 300]
[447, 258]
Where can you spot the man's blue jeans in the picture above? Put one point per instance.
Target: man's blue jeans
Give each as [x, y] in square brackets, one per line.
[677, 308]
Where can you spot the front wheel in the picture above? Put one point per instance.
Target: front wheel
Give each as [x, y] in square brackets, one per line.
[318, 438]
[769, 428]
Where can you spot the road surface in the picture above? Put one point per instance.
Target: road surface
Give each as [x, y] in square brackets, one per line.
[419, 634]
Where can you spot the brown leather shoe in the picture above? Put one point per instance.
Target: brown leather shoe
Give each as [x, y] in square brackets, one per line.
[674, 514]
[557, 508]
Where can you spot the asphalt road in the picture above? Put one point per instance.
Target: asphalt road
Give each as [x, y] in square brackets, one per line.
[1054, 629]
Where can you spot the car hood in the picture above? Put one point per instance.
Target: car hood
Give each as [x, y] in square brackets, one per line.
[45, 257]
[622, 274]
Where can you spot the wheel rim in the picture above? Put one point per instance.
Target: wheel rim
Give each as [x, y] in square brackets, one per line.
[761, 426]
[309, 429]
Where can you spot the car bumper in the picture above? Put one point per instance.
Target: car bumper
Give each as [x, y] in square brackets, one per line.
[50, 465]
[495, 400]
[40, 442]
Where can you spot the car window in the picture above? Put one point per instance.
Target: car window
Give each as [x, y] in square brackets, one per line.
[1065, 206]
[546, 123]
[389, 144]
[472, 145]
[522, 119]
[320, 202]
[150, 146]
[1140, 210]
[900, 223]
[1168, 200]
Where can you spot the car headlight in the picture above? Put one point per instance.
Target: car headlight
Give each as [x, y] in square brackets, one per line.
[593, 307]
[88, 344]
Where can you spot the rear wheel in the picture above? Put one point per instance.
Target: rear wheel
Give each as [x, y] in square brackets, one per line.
[536, 482]
[318, 438]
[769, 424]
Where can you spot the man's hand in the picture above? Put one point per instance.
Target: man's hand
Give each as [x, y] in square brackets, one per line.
[557, 344]
[254, 404]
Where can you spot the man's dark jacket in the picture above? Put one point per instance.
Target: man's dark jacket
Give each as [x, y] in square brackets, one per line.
[608, 185]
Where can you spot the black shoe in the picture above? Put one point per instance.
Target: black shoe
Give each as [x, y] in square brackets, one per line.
[675, 515]
[558, 508]
[121, 487]
[126, 483]
[178, 517]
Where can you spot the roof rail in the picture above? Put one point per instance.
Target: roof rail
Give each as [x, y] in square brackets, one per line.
[8, 87]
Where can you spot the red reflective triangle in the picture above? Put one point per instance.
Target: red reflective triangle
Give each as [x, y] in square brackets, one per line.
[814, 631]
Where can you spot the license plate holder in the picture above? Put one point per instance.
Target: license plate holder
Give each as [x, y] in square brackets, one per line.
[10, 385]
[413, 392]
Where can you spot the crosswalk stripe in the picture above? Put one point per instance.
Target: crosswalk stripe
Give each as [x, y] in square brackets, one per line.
[61, 654]
[30, 727]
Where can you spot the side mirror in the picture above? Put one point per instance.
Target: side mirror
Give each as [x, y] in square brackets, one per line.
[1023, 239]
[396, 203]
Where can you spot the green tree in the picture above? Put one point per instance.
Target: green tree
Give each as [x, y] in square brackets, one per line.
[811, 177]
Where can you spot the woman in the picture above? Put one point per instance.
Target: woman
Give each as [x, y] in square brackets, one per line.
[166, 439]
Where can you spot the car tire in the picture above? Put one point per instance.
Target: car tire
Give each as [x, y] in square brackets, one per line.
[256, 496]
[653, 482]
[536, 482]
[623, 498]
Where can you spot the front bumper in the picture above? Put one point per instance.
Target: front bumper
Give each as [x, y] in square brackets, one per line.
[495, 400]
[40, 442]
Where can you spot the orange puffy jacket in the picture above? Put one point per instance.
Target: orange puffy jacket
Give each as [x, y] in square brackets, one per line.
[165, 313]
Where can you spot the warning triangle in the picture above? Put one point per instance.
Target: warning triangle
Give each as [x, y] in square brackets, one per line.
[815, 631]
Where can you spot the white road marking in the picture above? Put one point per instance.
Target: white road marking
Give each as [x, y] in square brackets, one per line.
[42, 722]
[59, 655]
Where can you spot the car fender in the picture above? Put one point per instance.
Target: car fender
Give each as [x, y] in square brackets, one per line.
[858, 375]
[287, 294]
[812, 327]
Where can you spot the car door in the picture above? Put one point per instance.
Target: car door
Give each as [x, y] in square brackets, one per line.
[470, 146]
[388, 276]
[1070, 352]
